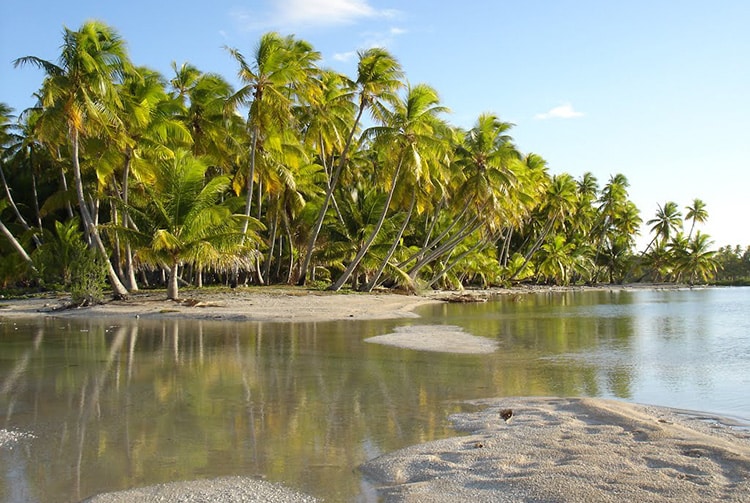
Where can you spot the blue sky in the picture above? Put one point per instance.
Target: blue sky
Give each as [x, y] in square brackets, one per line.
[657, 90]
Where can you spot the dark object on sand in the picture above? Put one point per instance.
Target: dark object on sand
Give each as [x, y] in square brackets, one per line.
[506, 414]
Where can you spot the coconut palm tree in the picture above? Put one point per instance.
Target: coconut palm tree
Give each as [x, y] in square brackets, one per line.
[410, 137]
[81, 91]
[666, 223]
[280, 71]
[379, 77]
[9, 140]
[696, 213]
[557, 260]
[697, 261]
[484, 177]
[559, 202]
[184, 219]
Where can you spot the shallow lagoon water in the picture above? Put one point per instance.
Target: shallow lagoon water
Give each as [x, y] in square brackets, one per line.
[114, 404]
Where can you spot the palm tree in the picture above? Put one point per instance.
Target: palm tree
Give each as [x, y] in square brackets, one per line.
[410, 140]
[666, 223]
[698, 260]
[281, 70]
[81, 91]
[557, 259]
[379, 77]
[484, 177]
[696, 213]
[200, 101]
[8, 140]
[149, 130]
[559, 202]
[183, 219]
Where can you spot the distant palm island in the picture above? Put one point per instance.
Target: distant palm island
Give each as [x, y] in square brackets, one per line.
[123, 178]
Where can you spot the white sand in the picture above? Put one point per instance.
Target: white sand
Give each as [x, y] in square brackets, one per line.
[440, 338]
[571, 450]
[265, 304]
[220, 490]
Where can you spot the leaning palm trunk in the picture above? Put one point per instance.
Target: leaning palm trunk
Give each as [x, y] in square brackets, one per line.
[17, 246]
[249, 197]
[129, 268]
[454, 263]
[535, 248]
[465, 231]
[12, 202]
[329, 196]
[374, 281]
[429, 245]
[366, 246]
[118, 288]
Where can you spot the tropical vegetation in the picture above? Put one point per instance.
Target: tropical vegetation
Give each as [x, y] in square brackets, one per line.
[301, 176]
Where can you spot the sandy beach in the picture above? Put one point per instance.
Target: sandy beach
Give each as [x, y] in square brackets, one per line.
[511, 449]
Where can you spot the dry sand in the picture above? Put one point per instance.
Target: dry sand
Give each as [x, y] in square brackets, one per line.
[266, 304]
[553, 449]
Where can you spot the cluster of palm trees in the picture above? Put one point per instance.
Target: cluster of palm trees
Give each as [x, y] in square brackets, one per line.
[673, 256]
[302, 175]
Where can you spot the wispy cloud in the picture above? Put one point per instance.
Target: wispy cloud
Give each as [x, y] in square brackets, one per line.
[344, 56]
[564, 111]
[372, 39]
[295, 14]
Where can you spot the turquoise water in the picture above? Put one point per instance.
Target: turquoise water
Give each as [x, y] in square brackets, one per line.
[115, 404]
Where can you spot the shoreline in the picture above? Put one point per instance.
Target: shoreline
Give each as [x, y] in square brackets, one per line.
[552, 449]
[277, 304]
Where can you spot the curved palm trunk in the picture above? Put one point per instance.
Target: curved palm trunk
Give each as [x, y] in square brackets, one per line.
[374, 281]
[34, 190]
[465, 231]
[12, 202]
[17, 245]
[132, 283]
[366, 246]
[250, 177]
[249, 197]
[453, 264]
[427, 246]
[535, 247]
[118, 288]
[327, 201]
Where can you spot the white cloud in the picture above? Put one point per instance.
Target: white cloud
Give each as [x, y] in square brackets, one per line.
[344, 56]
[564, 111]
[293, 14]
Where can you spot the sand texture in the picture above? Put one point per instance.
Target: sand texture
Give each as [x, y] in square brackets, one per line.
[572, 450]
[221, 490]
[267, 304]
[439, 338]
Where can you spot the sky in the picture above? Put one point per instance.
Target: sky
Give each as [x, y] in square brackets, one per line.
[657, 90]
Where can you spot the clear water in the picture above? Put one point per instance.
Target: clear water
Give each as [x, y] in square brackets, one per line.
[120, 404]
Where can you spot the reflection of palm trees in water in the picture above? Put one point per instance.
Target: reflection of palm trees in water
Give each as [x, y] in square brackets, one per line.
[89, 406]
[9, 385]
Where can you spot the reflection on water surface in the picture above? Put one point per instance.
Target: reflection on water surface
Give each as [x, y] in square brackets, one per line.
[122, 404]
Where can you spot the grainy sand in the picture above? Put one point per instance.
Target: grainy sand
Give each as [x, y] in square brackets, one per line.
[239, 305]
[572, 450]
[552, 449]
